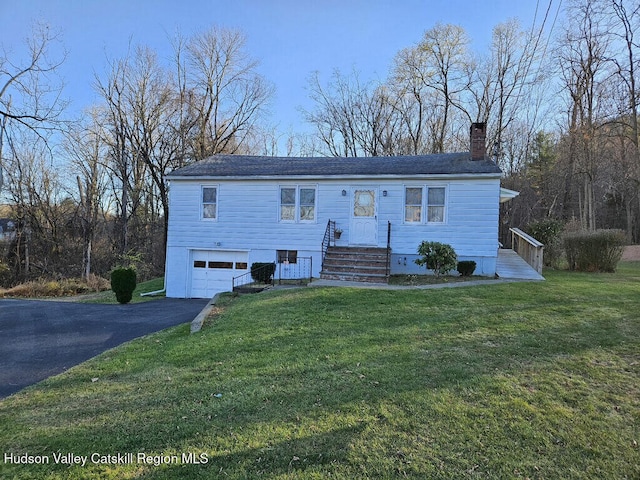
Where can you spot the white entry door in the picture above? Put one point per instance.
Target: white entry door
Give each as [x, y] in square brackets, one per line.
[212, 271]
[363, 228]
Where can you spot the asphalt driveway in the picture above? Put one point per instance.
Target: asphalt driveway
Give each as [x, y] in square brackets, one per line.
[39, 339]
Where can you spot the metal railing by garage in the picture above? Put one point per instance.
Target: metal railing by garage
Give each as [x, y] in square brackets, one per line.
[245, 283]
[530, 249]
[298, 273]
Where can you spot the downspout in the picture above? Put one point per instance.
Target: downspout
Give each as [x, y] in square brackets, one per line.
[156, 292]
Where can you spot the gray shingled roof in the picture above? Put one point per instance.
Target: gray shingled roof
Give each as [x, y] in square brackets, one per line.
[281, 167]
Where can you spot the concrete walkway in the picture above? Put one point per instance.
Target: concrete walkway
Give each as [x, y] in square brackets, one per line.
[386, 286]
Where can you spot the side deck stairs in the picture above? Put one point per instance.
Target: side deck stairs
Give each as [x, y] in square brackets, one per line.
[355, 264]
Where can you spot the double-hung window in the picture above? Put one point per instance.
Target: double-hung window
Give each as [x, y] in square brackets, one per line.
[424, 205]
[209, 203]
[435, 204]
[413, 205]
[297, 204]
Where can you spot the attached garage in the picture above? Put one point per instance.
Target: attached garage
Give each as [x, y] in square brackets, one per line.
[212, 271]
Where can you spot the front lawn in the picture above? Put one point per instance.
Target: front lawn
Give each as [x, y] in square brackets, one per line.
[518, 380]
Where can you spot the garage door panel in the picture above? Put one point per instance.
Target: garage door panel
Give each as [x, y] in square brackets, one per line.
[212, 271]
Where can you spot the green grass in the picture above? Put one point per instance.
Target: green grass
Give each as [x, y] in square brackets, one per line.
[520, 380]
[143, 287]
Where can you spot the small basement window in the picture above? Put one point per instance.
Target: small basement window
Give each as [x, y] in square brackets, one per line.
[287, 256]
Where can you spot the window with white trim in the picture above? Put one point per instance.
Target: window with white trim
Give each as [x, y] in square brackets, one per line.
[209, 203]
[297, 204]
[435, 204]
[413, 205]
[425, 204]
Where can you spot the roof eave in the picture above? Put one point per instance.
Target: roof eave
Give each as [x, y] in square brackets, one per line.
[464, 176]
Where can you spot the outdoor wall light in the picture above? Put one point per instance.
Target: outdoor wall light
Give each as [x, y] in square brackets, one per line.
[384, 193]
[344, 193]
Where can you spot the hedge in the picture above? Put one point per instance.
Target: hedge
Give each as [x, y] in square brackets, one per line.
[594, 251]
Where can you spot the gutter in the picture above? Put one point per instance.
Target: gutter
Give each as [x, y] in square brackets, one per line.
[337, 178]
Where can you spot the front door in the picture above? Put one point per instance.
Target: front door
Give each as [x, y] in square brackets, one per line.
[363, 229]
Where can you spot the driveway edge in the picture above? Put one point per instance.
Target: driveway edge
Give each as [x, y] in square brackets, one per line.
[197, 322]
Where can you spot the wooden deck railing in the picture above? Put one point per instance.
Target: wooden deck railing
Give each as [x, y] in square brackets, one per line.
[530, 249]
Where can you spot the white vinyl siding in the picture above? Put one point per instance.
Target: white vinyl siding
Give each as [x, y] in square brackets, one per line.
[248, 219]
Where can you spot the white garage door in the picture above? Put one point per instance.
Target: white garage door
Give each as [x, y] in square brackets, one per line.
[212, 271]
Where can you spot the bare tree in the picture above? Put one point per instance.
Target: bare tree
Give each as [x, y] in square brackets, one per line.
[583, 53]
[29, 92]
[432, 78]
[223, 89]
[35, 189]
[353, 119]
[87, 151]
[626, 23]
[117, 133]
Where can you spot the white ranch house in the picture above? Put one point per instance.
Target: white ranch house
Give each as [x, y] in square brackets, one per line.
[229, 211]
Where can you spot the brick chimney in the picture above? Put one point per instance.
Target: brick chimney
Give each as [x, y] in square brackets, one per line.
[478, 139]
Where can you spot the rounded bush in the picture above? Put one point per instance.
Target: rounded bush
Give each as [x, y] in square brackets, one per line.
[466, 267]
[439, 257]
[123, 283]
[262, 272]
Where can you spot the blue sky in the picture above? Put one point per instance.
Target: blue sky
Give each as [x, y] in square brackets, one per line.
[290, 38]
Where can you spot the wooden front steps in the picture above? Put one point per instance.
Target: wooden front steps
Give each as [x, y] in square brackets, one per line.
[355, 264]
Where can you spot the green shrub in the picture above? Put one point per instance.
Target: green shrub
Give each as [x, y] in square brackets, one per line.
[597, 251]
[439, 257]
[466, 267]
[549, 233]
[262, 272]
[123, 283]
